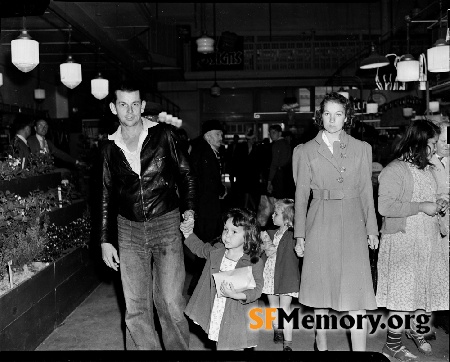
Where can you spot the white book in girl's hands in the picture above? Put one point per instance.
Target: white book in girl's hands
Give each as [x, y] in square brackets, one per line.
[241, 278]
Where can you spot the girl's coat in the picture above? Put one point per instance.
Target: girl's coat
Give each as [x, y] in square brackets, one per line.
[287, 272]
[235, 332]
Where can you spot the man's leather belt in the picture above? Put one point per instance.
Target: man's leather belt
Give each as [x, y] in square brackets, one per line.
[324, 194]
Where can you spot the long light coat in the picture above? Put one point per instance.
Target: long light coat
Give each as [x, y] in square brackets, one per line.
[336, 270]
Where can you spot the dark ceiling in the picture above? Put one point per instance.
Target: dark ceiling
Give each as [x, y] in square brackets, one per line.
[107, 36]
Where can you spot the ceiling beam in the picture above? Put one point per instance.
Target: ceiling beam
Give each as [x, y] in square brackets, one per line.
[73, 14]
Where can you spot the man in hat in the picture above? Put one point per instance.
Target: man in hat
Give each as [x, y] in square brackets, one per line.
[206, 163]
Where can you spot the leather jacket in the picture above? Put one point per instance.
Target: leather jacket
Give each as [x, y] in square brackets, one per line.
[165, 174]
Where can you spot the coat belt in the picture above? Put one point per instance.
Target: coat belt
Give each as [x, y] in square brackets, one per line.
[324, 194]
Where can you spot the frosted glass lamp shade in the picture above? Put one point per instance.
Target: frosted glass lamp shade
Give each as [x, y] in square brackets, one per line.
[372, 107]
[205, 44]
[70, 73]
[215, 90]
[39, 93]
[1, 79]
[433, 106]
[25, 52]
[438, 57]
[99, 87]
[408, 69]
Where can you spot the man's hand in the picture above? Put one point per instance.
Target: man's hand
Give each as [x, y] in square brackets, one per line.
[109, 255]
[373, 241]
[188, 214]
[300, 247]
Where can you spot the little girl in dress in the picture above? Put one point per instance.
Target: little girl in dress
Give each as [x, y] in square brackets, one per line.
[226, 318]
[281, 271]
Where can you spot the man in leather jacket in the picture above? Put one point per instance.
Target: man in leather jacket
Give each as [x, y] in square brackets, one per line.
[143, 171]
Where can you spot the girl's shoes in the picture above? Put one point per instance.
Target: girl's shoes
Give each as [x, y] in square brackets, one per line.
[278, 336]
[287, 348]
[420, 342]
[403, 354]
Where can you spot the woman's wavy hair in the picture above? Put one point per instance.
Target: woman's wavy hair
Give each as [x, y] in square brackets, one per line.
[336, 98]
[247, 219]
[413, 146]
[287, 210]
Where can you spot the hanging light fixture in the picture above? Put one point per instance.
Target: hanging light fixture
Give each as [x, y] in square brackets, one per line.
[205, 44]
[1, 79]
[24, 51]
[99, 87]
[408, 69]
[39, 93]
[439, 57]
[374, 60]
[70, 71]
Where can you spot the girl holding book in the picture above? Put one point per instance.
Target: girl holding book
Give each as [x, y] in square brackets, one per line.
[226, 318]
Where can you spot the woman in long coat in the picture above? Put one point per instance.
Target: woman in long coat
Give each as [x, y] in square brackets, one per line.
[333, 235]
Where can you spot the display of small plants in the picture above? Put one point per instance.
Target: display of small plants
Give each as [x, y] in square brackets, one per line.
[25, 232]
[11, 168]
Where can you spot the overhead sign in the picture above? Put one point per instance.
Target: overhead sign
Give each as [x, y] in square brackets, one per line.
[224, 58]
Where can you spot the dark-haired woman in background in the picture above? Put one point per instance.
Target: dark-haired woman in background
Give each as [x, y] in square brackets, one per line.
[334, 233]
[413, 274]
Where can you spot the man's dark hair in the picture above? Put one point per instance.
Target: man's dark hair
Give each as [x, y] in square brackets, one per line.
[21, 121]
[275, 127]
[124, 86]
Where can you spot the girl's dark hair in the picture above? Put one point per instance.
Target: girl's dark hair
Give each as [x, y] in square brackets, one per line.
[287, 210]
[413, 146]
[247, 219]
[336, 98]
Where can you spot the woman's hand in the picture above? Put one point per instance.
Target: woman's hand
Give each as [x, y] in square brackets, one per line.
[429, 208]
[300, 247]
[373, 241]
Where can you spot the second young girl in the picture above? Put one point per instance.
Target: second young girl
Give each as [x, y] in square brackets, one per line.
[226, 318]
[281, 271]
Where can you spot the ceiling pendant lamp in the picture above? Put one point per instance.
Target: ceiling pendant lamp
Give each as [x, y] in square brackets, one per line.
[205, 44]
[374, 60]
[215, 90]
[70, 73]
[24, 51]
[39, 94]
[99, 87]
[408, 69]
[439, 57]
[1, 79]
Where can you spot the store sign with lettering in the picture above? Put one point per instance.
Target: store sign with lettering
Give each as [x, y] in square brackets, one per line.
[219, 60]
